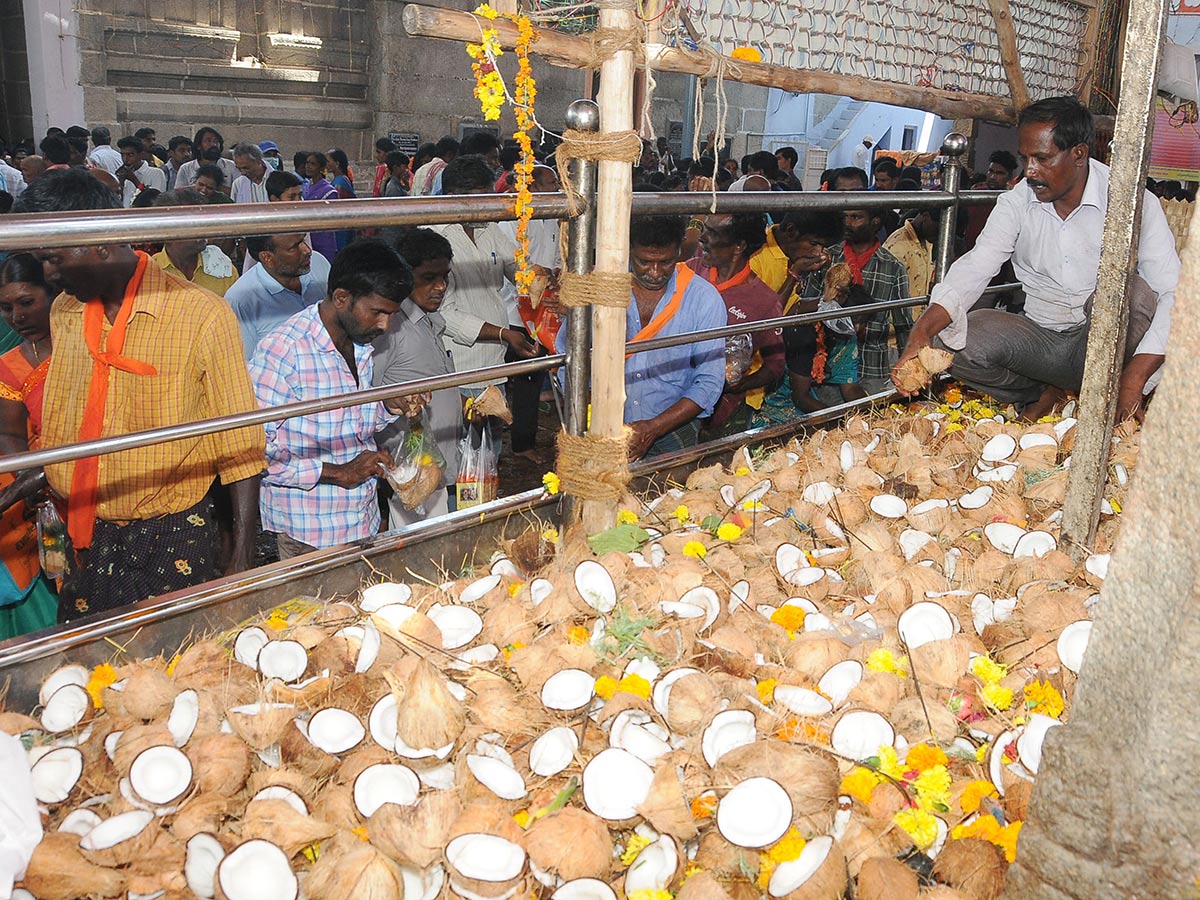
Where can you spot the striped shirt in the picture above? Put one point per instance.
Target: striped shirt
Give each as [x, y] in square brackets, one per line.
[298, 361]
[191, 337]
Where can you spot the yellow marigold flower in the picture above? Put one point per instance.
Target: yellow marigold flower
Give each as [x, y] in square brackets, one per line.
[102, 676]
[650, 894]
[486, 11]
[1041, 697]
[746, 54]
[986, 828]
[681, 514]
[605, 687]
[515, 588]
[727, 531]
[626, 517]
[634, 684]
[360, 832]
[578, 635]
[787, 848]
[1008, 840]
[889, 763]
[952, 395]
[704, 806]
[987, 670]
[765, 869]
[973, 795]
[859, 784]
[172, 664]
[953, 427]
[753, 506]
[696, 549]
[521, 817]
[550, 535]
[551, 483]
[790, 618]
[795, 730]
[691, 870]
[925, 756]
[509, 649]
[766, 690]
[981, 752]
[881, 660]
[1116, 507]
[919, 825]
[741, 470]
[635, 845]
[997, 696]
[933, 789]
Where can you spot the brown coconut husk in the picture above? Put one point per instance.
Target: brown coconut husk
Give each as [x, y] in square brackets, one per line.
[335, 805]
[415, 835]
[691, 702]
[492, 403]
[348, 869]
[940, 664]
[126, 851]
[262, 729]
[338, 655]
[812, 654]
[665, 806]
[570, 843]
[136, 739]
[220, 763]
[508, 622]
[160, 868]
[280, 823]
[200, 813]
[810, 777]
[315, 693]
[497, 706]
[881, 878]
[16, 723]
[914, 721]
[828, 882]
[702, 886]
[58, 870]
[1016, 800]
[202, 664]
[941, 892]
[974, 867]
[486, 817]
[866, 838]
[723, 860]
[427, 714]
[878, 692]
[285, 776]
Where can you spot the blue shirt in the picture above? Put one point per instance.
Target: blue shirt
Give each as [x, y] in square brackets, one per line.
[261, 303]
[658, 379]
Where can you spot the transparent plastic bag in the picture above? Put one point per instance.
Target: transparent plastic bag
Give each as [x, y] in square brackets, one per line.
[419, 465]
[478, 469]
[739, 348]
[52, 541]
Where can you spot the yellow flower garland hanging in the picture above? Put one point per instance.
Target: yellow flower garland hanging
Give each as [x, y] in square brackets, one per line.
[492, 94]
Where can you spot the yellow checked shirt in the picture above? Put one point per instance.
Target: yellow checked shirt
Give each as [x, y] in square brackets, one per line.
[191, 337]
[200, 278]
[771, 265]
[916, 255]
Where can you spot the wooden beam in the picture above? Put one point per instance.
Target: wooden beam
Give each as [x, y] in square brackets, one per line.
[576, 53]
[1007, 36]
[1086, 80]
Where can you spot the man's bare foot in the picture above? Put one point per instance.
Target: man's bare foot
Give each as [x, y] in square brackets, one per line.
[1044, 405]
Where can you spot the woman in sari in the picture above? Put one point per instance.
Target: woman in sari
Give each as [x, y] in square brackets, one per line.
[339, 170]
[28, 601]
[319, 188]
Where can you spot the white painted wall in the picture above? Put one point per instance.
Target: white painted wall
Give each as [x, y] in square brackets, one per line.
[52, 41]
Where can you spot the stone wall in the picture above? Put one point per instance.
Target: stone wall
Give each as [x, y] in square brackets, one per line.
[16, 113]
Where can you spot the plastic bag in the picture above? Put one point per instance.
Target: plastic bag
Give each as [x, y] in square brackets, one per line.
[419, 466]
[739, 348]
[52, 541]
[478, 468]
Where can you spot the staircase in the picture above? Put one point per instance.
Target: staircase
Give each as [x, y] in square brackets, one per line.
[830, 130]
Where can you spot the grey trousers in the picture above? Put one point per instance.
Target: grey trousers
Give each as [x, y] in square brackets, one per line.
[1014, 359]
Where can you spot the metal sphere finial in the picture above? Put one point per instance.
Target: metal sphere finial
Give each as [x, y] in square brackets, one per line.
[954, 144]
[583, 115]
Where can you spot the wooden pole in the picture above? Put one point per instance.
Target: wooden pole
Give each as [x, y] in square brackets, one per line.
[576, 52]
[1118, 256]
[614, 199]
[1007, 36]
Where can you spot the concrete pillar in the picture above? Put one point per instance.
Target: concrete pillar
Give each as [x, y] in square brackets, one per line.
[52, 44]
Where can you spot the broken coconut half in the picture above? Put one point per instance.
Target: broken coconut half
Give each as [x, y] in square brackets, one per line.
[160, 775]
[595, 586]
[257, 870]
[615, 784]
[757, 812]
[553, 751]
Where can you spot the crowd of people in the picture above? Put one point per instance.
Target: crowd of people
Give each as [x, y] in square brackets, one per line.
[113, 338]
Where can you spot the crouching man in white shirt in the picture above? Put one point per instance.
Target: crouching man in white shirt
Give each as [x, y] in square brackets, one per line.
[1050, 226]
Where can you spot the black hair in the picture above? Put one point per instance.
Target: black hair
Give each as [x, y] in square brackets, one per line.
[178, 141]
[823, 223]
[420, 245]
[143, 133]
[467, 173]
[446, 146]
[64, 190]
[509, 156]
[479, 143]
[370, 267]
[78, 144]
[278, 182]
[766, 163]
[912, 173]
[674, 182]
[1005, 160]
[6, 203]
[849, 172]
[130, 142]
[257, 243]
[745, 166]
[907, 184]
[657, 231]
[828, 176]
[339, 156]
[385, 144]
[299, 160]
[77, 131]
[978, 178]
[146, 198]
[23, 268]
[101, 136]
[208, 129]
[180, 197]
[885, 164]
[320, 157]
[397, 158]
[425, 153]
[747, 228]
[54, 129]
[1072, 122]
[55, 150]
[789, 153]
[213, 171]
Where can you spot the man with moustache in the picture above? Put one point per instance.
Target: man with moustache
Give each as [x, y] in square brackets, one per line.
[1050, 227]
[290, 276]
[320, 487]
[209, 148]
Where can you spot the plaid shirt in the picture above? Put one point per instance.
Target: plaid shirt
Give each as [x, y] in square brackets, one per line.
[884, 278]
[298, 361]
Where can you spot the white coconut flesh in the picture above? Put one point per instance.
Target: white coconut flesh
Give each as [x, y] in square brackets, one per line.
[185, 714]
[423, 884]
[247, 645]
[654, 868]
[728, 497]
[999, 473]
[727, 731]
[1037, 439]
[615, 783]
[65, 708]
[859, 734]
[497, 776]
[791, 876]
[584, 889]
[474, 656]
[1072, 644]
[840, 679]
[789, 558]
[706, 600]
[72, 674]
[977, 499]
[661, 694]
[912, 542]
[285, 660]
[287, 795]
[385, 783]
[889, 506]
[595, 586]
[996, 761]
[383, 594]
[479, 589]
[459, 625]
[739, 595]
[506, 568]
[55, 775]
[160, 775]
[568, 689]
[634, 731]
[1034, 544]
[79, 821]
[985, 611]
[757, 812]
[1097, 565]
[846, 456]
[485, 857]
[805, 576]
[1029, 744]
[925, 622]
[439, 778]
[257, 870]
[802, 701]
[999, 448]
[111, 740]
[539, 590]
[333, 730]
[204, 854]
[819, 493]
[116, 830]
[553, 751]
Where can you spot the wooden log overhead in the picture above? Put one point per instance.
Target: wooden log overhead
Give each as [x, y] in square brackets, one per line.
[1007, 36]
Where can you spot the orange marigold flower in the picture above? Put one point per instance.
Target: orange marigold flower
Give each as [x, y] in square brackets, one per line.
[704, 806]
[925, 756]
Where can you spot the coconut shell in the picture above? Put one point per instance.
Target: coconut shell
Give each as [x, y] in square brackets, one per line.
[280, 823]
[914, 721]
[881, 878]
[262, 729]
[415, 835]
[974, 867]
[940, 663]
[940, 892]
[570, 843]
[810, 777]
[58, 870]
[17, 724]
[486, 817]
[828, 882]
[201, 665]
[160, 868]
[691, 703]
[702, 886]
[220, 763]
[200, 813]
[136, 739]
[723, 860]
[665, 806]
[866, 838]
[335, 805]
[348, 869]
[148, 692]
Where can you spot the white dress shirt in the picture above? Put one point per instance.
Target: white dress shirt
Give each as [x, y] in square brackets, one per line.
[1056, 261]
[187, 172]
[246, 191]
[11, 179]
[149, 176]
[106, 158]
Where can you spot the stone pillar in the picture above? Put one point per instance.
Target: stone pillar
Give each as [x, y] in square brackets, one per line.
[52, 45]
[1114, 813]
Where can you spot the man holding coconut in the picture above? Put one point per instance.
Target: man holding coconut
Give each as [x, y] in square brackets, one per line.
[1050, 227]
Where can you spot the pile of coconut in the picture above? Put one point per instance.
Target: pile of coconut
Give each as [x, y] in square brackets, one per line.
[826, 667]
